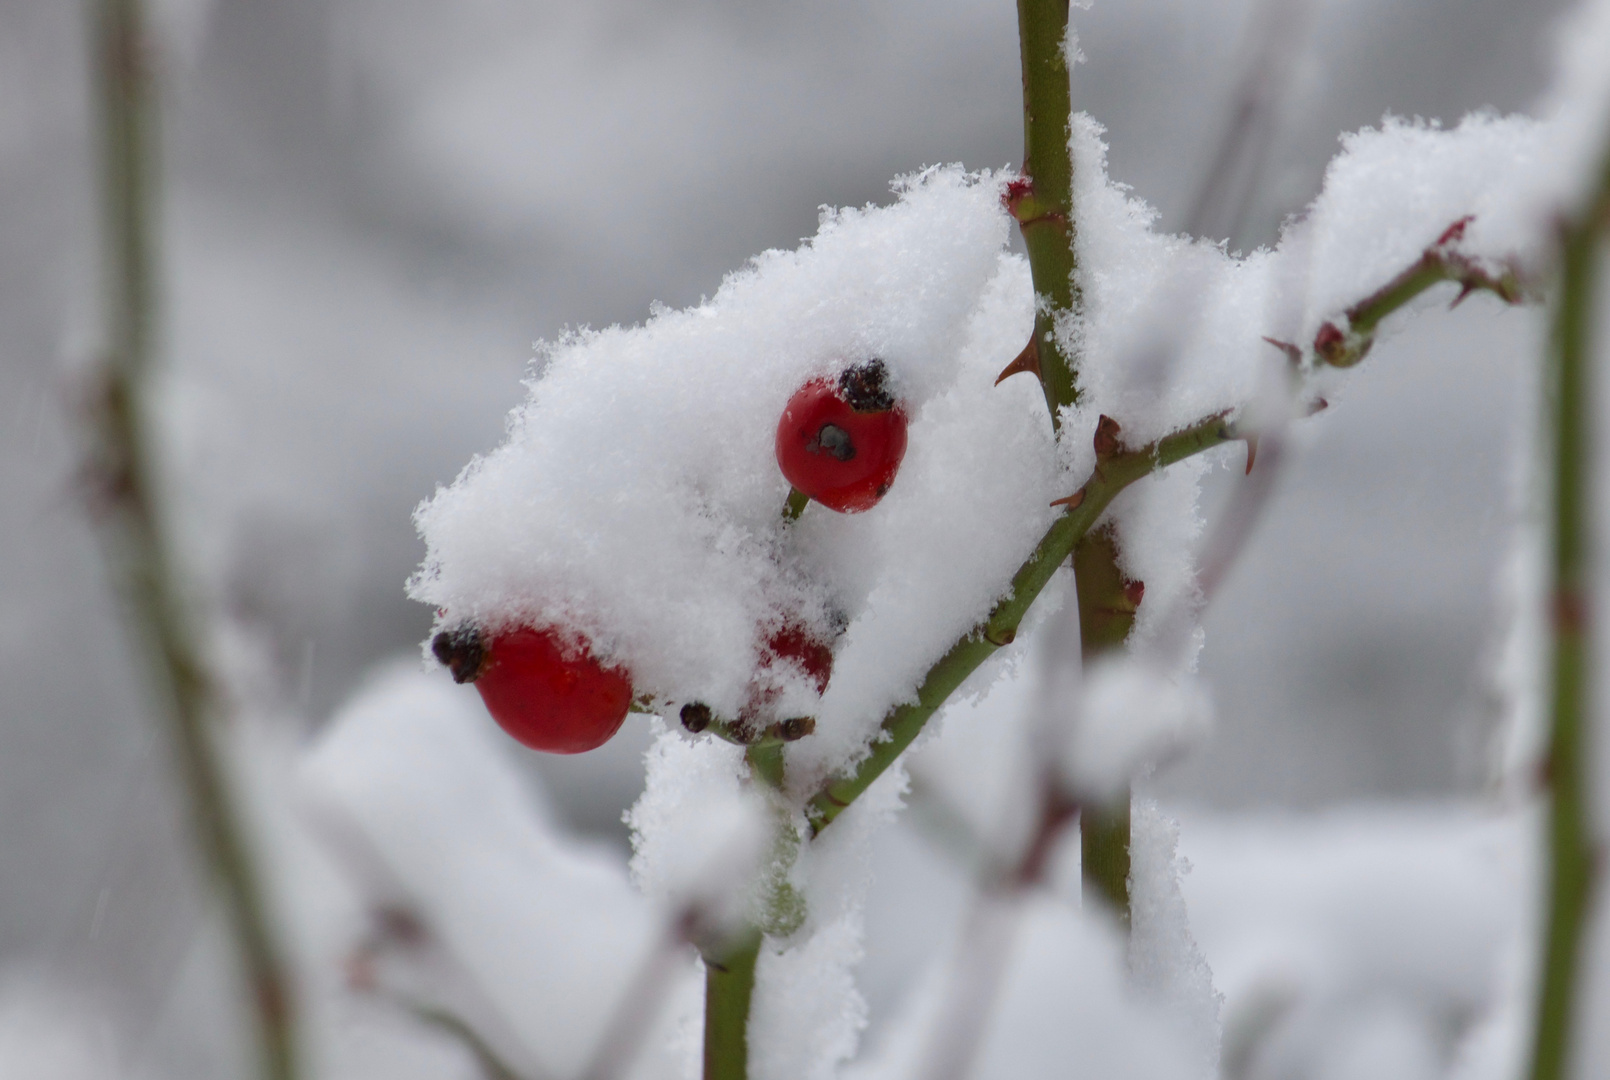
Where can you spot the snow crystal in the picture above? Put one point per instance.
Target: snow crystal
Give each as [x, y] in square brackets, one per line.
[700, 829]
[1163, 956]
[808, 1014]
[637, 502]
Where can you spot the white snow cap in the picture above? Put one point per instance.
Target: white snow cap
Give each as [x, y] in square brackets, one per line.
[637, 502]
[698, 832]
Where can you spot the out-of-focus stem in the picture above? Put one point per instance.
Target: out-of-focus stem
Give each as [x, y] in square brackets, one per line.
[1571, 870]
[123, 491]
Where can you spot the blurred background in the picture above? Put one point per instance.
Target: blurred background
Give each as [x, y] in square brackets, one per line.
[373, 208]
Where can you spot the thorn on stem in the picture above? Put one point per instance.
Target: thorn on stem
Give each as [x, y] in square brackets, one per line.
[1293, 353]
[1106, 440]
[1454, 232]
[1134, 593]
[1027, 360]
[1252, 453]
[1071, 501]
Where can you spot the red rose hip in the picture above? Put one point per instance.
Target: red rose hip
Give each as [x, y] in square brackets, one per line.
[840, 441]
[793, 644]
[545, 693]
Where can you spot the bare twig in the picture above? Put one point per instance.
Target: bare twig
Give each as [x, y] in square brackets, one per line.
[1226, 192]
[122, 489]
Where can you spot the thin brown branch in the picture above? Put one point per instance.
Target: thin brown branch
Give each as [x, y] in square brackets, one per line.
[123, 494]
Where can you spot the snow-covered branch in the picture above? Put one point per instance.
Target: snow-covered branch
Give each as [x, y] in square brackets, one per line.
[1346, 344]
[1117, 467]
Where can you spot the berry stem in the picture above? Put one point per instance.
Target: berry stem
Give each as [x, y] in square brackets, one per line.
[795, 506]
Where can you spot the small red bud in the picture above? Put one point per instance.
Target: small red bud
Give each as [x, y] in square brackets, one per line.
[1106, 440]
[1330, 343]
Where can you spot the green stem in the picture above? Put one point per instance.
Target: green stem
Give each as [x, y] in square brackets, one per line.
[796, 504]
[904, 722]
[1104, 855]
[1043, 202]
[1571, 856]
[1108, 603]
[125, 499]
[729, 984]
[1439, 263]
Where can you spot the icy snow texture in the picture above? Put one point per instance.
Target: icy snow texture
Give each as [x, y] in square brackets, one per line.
[637, 500]
[410, 781]
[1163, 956]
[807, 1015]
[698, 832]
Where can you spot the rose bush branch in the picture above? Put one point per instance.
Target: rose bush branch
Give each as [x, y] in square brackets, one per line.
[1042, 204]
[120, 475]
[1572, 853]
[1042, 200]
[1116, 468]
[1345, 342]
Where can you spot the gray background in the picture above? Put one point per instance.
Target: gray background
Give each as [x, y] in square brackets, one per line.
[373, 207]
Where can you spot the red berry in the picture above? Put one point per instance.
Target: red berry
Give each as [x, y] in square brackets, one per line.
[840, 442]
[791, 645]
[546, 694]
